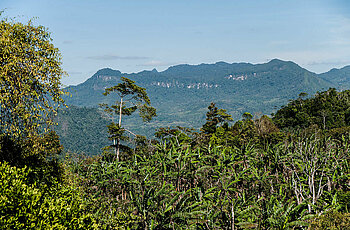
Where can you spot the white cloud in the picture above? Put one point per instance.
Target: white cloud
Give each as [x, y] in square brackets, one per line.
[116, 57]
[157, 63]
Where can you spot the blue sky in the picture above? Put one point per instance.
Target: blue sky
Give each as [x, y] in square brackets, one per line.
[133, 35]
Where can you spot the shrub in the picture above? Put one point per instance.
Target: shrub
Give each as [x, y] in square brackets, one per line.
[25, 206]
[332, 220]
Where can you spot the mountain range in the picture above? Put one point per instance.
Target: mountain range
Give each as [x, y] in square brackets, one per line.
[182, 93]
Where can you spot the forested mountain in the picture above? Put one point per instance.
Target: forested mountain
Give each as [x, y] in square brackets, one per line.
[339, 77]
[83, 130]
[182, 93]
[221, 82]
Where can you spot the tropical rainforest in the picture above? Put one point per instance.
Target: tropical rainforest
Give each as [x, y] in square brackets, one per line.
[288, 170]
[182, 93]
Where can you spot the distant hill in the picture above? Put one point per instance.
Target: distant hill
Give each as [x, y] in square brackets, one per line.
[182, 93]
[217, 81]
[82, 130]
[238, 87]
[338, 77]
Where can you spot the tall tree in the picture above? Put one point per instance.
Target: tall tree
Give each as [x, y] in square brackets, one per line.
[215, 117]
[131, 98]
[30, 73]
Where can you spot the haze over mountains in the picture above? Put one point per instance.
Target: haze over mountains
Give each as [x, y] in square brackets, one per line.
[182, 93]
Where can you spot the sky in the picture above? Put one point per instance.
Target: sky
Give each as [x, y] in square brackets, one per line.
[136, 35]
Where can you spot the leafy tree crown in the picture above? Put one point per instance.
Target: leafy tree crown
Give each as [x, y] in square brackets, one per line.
[30, 74]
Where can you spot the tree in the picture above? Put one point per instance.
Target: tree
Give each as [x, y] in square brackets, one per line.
[247, 116]
[215, 117]
[132, 98]
[30, 73]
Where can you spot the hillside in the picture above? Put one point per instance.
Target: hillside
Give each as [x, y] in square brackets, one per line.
[188, 90]
[182, 93]
[82, 130]
[338, 77]
[217, 81]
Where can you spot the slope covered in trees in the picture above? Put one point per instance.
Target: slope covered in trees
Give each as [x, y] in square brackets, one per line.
[182, 93]
[327, 110]
[339, 77]
[82, 130]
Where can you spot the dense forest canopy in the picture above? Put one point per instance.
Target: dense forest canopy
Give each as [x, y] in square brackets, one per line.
[327, 110]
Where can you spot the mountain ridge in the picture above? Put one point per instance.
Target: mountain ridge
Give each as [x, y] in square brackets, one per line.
[339, 77]
[209, 82]
[182, 93]
[275, 61]
[108, 70]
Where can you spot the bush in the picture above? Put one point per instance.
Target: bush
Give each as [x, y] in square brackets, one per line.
[25, 206]
[39, 153]
[332, 220]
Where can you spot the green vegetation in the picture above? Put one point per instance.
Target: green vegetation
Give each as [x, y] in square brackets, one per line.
[327, 110]
[332, 220]
[132, 98]
[34, 191]
[185, 182]
[241, 176]
[339, 77]
[182, 93]
[27, 205]
[30, 73]
[291, 171]
[82, 130]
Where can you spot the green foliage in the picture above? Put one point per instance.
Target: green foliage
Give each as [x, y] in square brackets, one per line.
[116, 132]
[178, 186]
[339, 133]
[82, 130]
[182, 136]
[30, 73]
[332, 220]
[327, 110]
[26, 206]
[129, 93]
[214, 118]
[262, 132]
[39, 153]
[32, 190]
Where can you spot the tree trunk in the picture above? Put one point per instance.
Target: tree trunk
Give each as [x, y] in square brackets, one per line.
[232, 217]
[115, 148]
[120, 123]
